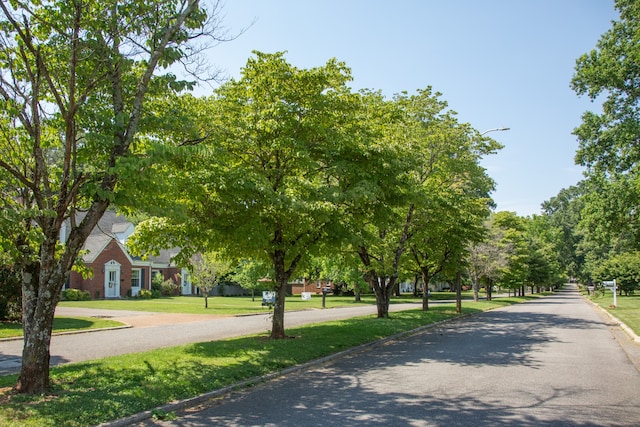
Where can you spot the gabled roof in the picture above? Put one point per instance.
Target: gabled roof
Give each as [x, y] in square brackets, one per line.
[96, 243]
[107, 229]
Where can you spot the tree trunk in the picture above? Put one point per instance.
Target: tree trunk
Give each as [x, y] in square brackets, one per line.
[425, 290]
[38, 306]
[489, 289]
[383, 290]
[475, 284]
[459, 293]
[277, 327]
[282, 275]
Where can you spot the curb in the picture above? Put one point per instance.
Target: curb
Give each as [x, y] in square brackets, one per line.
[630, 332]
[82, 331]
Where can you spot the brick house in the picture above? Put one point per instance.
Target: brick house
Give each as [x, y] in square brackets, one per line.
[116, 273]
[299, 286]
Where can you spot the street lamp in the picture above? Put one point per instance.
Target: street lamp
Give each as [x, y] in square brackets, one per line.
[494, 130]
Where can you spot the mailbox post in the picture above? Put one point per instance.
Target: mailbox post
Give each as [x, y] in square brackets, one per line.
[612, 284]
[325, 291]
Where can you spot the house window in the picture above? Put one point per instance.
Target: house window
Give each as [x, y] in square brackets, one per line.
[136, 278]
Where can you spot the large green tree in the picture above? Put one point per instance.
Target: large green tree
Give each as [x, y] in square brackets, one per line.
[75, 77]
[608, 140]
[265, 185]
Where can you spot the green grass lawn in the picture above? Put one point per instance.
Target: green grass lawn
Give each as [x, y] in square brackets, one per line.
[217, 305]
[230, 306]
[627, 308]
[240, 305]
[92, 392]
[60, 324]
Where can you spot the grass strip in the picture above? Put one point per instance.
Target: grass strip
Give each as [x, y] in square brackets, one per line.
[627, 308]
[60, 324]
[92, 392]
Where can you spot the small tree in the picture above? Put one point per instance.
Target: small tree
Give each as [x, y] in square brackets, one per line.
[249, 272]
[206, 271]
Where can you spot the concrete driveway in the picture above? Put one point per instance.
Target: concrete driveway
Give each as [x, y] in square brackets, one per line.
[549, 362]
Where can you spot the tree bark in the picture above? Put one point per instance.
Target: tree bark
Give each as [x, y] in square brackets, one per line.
[38, 306]
[383, 293]
[425, 289]
[459, 293]
[476, 290]
[277, 326]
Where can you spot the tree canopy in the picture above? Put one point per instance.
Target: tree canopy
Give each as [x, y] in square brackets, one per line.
[74, 81]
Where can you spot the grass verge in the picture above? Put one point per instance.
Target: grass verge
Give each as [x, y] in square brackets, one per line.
[627, 308]
[92, 392]
[60, 324]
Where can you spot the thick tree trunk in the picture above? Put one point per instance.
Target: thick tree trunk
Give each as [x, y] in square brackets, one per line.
[42, 283]
[38, 308]
[383, 293]
[489, 289]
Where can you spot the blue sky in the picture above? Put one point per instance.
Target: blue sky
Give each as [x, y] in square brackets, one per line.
[496, 62]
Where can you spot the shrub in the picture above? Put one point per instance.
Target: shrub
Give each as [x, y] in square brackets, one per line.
[75, 295]
[145, 294]
[163, 287]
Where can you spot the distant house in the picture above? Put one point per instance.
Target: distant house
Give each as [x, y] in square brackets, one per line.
[116, 273]
[298, 286]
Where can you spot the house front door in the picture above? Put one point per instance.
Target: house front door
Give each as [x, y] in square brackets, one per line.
[112, 280]
[186, 282]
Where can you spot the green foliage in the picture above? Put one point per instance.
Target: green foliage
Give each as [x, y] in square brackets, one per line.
[249, 272]
[10, 294]
[145, 294]
[609, 149]
[75, 128]
[75, 295]
[162, 287]
[564, 213]
[624, 268]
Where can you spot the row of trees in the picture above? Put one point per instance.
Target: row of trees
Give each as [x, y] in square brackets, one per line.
[279, 167]
[283, 167]
[297, 167]
[596, 222]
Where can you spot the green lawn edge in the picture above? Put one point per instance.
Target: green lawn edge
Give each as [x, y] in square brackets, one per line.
[61, 324]
[98, 391]
[627, 308]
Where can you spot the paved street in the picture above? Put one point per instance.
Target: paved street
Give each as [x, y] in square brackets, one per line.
[551, 362]
[96, 345]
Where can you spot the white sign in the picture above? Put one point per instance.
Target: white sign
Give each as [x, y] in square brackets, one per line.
[306, 296]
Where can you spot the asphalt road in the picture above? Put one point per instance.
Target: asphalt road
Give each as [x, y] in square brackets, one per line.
[549, 362]
[100, 344]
